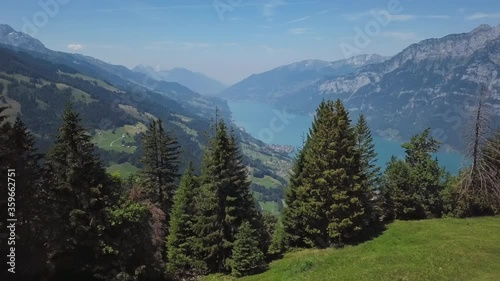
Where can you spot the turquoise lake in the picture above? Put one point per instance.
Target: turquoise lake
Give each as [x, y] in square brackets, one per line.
[276, 126]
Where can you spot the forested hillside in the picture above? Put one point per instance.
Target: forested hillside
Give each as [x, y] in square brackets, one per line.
[116, 115]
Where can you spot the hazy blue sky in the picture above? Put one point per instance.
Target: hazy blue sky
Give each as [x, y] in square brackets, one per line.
[231, 39]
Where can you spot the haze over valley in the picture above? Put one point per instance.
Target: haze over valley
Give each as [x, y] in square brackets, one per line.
[273, 139]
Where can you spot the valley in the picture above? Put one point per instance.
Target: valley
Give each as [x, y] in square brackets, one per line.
[237, 140]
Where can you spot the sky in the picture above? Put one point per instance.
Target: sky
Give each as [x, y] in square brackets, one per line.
[232, 39]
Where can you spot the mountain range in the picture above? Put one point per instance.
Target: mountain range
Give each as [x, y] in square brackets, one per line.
[434, 83]
[195, 81]
[279, 82]
[116, 105]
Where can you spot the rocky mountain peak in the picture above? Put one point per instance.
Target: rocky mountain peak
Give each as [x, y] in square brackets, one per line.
[9, 36]
[452, 46]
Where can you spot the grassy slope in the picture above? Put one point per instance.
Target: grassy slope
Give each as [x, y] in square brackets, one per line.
[124, 170]
[441, 249]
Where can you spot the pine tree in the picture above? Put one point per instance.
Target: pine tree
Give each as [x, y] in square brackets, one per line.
[293, 224]
[224, 200]
[332, 198]
[414, 186]
[368, 155]
[80, 196]
[278, 242]
[247, 258]
[160, 173]
[180, 240]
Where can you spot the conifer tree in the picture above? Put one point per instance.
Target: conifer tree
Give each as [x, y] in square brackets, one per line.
[247, 258]
[333, 200]
[278, 242]
[368, 155]
[292, 217]
[160, 173]
[180, 240]
[413, 186]
[80, 196]
[224, 200]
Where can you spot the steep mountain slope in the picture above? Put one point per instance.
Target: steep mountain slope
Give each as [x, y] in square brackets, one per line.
[116, 110]
[281, 81]
[115, 74]
[195, 81]
[433, 83]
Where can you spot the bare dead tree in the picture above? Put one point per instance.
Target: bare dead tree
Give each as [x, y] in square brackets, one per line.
[481, 180]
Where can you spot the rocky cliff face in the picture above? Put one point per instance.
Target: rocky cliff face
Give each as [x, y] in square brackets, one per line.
[8, 36]
[434, 83]
[285, 80]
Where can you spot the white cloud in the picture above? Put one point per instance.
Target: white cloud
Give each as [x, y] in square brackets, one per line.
[394, 17]
[480, 16]
[297, 20]
[400, 35]
[439, 17]
[297, 31]
[75, 47]
[268, 9]
[403, 17]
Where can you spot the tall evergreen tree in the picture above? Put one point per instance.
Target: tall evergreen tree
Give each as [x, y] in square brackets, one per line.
[80, 196]
[368, 155]
[160, 173]
[293, 224]
[180, 240]
[247, 258]
[224, 200]
[332, 198]
[414, 186]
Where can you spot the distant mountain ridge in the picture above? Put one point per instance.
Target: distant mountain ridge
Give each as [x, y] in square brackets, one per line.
[113, 100]
[433, 83]
[195, 81]
[279, 82]
[8, 36]
[116, 74]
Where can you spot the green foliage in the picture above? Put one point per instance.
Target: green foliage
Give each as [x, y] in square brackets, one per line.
[368, 155]
[223, 202]
[412, 187]
[278, 242]
[330, 200]
[181, 235]
[160, 173]
[247, 258]
[436, 249]
[81, 193]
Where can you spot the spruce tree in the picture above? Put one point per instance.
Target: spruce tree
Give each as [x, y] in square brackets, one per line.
[333, 199]
[160, 173]
[293, 224]
[413, 186]
[180, 239]
[224, 200]
[247, 258]
[81, 195]
[368, 155]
